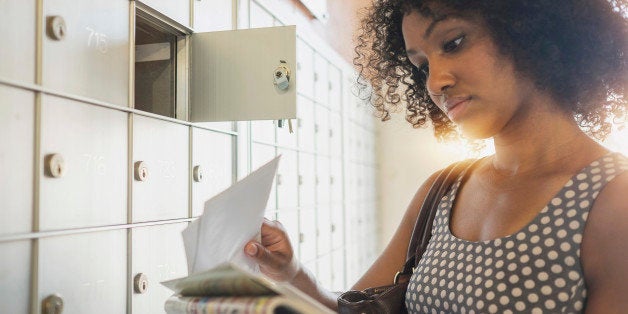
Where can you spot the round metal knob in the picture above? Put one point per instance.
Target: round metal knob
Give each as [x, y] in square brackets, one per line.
[198, 174]
[55, 28]
[52, 304]
[140, 283]
[55, 165]
[141, 171]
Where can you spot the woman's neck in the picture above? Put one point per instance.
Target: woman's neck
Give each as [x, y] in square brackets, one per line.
[543, 140]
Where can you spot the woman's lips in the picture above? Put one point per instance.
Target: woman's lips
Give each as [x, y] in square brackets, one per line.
[454, 105]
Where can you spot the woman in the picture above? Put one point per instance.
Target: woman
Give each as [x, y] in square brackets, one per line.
[540, 226]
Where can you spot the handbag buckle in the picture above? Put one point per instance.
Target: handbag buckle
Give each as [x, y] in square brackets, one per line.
[396, 277]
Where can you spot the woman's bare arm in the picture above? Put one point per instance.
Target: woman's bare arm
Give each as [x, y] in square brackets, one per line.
[393, 257]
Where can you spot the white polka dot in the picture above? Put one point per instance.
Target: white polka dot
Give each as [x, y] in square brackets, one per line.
[570, 194]
[571, 213]
[501, 287]
[488, 251]
[533, 228]
[610, 171]
[556, 201]
[526, 271]
[549, 242]
[500, 275]
[488, 272]
[570, 204]
[561, 233]
[504, 300]
[478, 259]
[539, 263]
[520, 306]
[550, 304]
[565, 246]
[499, 264]
[510, 244]
[546, 290]
[583, 186]
[578, 306]
[488, 283]
[583, 194]
[478, 292]
[513, 279]
[488, 261]
[499, 253]
[552, 255]
[533, 298]
[536, 250]
[545, 220]
[569, 183]
[560, 283]
[559, 222]
[596, 178]
[512, 267]
[522, 247]
[584, 204]
[511, 255]
[577, 238]
[543, 276]
[477, 281]
[570, 261]
[492, 308]
[529, 284]
[459, 287]
[469, 301]
[581, 176]
[563, 297]
[490, 295]
[524, 259]
[558, 211]
[547, 230]
[556, 269]
[480, 304]
[573, 275]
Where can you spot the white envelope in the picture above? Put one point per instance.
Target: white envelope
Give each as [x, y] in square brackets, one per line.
[229, 221]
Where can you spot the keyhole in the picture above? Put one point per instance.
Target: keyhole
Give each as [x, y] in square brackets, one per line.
[61, 31]
[144, 284]
[278, 74]
[59, 169]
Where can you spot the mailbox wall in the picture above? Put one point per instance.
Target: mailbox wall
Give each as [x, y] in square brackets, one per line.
[84, 226]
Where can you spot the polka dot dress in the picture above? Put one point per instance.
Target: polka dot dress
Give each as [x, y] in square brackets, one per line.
[536, 270]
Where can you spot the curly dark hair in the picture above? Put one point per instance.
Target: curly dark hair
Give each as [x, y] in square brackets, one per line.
[574, 49]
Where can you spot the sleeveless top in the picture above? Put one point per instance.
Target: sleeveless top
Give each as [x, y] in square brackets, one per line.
[535, 270]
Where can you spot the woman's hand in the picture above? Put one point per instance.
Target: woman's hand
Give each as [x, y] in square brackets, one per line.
[274, 254]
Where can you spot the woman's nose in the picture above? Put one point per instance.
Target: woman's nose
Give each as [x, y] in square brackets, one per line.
[440, 79]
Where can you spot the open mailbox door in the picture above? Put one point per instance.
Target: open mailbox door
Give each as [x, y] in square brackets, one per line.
[245, 74]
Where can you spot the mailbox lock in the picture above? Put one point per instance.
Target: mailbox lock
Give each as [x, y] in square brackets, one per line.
[52, 304]
[140, 283]
[141, 171]
[198, 173]
[55, 27]
[281, 76]
[55, 165]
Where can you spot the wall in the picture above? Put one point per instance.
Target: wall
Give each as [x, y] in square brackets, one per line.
[87, 234]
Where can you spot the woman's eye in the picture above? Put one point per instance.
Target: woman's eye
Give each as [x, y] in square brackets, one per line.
[453, 44]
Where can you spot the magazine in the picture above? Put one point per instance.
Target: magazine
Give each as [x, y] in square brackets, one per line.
[231, 289]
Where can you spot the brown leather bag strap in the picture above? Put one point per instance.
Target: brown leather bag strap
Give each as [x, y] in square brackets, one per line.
[423, 228]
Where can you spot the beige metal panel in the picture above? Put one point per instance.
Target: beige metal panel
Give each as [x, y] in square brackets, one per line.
[159, 255]
[337, 226]
[178, 10]
[233, 74]
[93, 144]
[305, 123]
[17, 56]
[287, 179]
[305, 68]
[321, 80]
[15, 276]
[307, 180]
[336, 181]
[87, 270]
[261, 154]
[92, 59]
[16, 159]
[212, 152]
[213, 15]
[323, 227]
[162, 147]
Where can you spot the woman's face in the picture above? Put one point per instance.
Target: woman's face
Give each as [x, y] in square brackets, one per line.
[468, 78]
